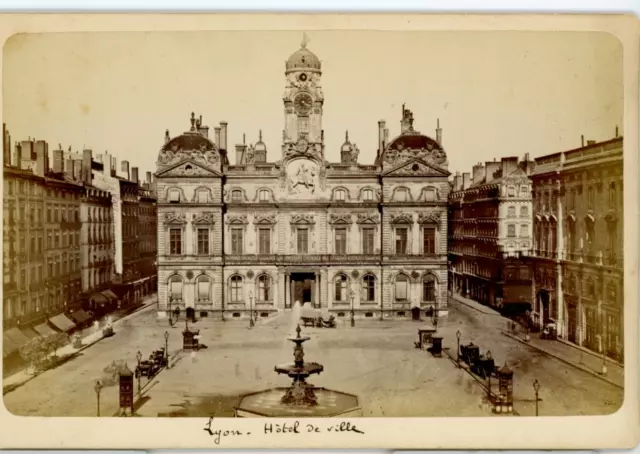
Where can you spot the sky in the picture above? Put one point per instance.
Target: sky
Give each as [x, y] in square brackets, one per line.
[496, 93]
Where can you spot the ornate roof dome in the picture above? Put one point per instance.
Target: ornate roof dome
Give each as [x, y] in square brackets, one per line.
[303, 60]
[260, 145]
[346, 146]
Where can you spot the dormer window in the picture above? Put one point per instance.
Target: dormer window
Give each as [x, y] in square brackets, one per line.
[402, 195]
[430, 195]
[263, 195]
[236, 195]
[367, 195]
[174, 196]
[202, 196]
[341, 195]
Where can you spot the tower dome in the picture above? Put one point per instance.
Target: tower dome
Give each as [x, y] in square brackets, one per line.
[303, 60]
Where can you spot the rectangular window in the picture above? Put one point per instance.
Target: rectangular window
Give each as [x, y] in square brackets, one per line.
[367, 240]
[402, 236]
[341, 241]
[524, 231]
[429, 240]
[175, 241]
[511, 230]
[524, 212]
[236, 241]
[203, 241]
[303, 241]
[590, 198]
[264, 241]
[202, 196]
[402, 287]
[367, 195]
[612, 195]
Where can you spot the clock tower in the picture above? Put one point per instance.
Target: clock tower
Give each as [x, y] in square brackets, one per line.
[303, 100]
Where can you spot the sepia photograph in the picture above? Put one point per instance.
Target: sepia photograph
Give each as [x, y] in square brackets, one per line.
[315, 223]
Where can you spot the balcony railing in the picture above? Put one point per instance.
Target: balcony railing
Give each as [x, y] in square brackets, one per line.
[277, 259]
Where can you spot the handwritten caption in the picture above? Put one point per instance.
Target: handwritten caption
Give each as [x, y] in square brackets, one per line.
[295, 427]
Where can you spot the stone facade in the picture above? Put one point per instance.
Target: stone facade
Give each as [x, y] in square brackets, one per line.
[578, 281]
[259, 235]
[491, 234]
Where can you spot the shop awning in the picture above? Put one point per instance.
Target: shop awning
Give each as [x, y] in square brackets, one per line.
[80, 316]
[17, 337]
[61, 322]
[110, 295]
[99, 298]
[29, 332]
[44, 330]
[8, 347]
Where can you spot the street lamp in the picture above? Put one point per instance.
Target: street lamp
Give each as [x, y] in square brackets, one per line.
[251, 309]
[138, 372]
[170, 313]
[458, 336]
[97, 388]
[166, 347]
[536, 388]
[489, 357]
[352, 294]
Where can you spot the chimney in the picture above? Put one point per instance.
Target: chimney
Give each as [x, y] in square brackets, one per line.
[77, 170]
[617, 132]
[240, 153]
[204, 130]
[87, 159]
[591, 142]
[124, 168]
[381, 126]
[18, 156]
[41, 158]
[528, 164]
[466, 180]
[134, 175]
[582, 140]
[6, 145]
[148, 179]
[406, 124]
[167, 137]
[114, 164]
[386, 137]
[217, 135]
[509, 165]
[223, 135]
[58, 160]
[478, 173]
[457, 182]
[491, 167]
[68, 168]
[438, 133]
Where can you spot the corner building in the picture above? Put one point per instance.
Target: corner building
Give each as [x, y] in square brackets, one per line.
[261, 235]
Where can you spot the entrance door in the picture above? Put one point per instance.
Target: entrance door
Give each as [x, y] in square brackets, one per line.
[544, 305]
[415, 314]
[298, 292]
[572, 320]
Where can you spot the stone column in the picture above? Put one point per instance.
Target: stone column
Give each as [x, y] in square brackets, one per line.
[316, 290]
[285, 293]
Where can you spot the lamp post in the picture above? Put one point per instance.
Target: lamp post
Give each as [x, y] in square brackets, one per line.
[166, 347]
[138, 372]
[170, 313]
[603, 348]
[458, 336]
[536, 388]
[97, 388]
[250, 309]
[352, 294]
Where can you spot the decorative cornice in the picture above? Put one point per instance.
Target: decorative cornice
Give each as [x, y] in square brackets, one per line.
[237, 219]
[429, 218]
[302, 219]
[264, 218]
[175, 218]
[340, 218]
[368, 218]
[207, 218]
[401, 218]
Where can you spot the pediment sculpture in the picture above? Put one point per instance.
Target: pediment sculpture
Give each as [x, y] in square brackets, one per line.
[429, 218]
[400, 154]
[237, 219]
[368, 218]
[204, 218]
[401, 218]
[175, 218]
[302, 219]
[340, 218]
[261, 218]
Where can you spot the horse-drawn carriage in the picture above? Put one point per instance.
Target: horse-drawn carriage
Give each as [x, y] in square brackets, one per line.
[149, 368]
[481, 365]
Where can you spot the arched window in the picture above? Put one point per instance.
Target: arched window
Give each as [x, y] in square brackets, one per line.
[402, 287]
[401, 195]
[340, 195]
[236, 195]
[202, 195]
[175, 287]
[368, 287]
[264, 288]
[367, 195]
[174, 196]
[511, 211]
[340, 288]
[235, 289]
[524, 211]
[428, 288]
[203, 286]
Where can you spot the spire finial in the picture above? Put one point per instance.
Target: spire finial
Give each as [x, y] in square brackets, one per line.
[346, 136]
[260, 135]
[244, 139]
[305, 40]
[298, 330]
[193, 121]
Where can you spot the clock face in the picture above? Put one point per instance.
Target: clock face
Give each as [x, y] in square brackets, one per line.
[302, 103]
[303, 77]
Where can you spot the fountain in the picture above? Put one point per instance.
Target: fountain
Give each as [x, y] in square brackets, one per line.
[301, 398]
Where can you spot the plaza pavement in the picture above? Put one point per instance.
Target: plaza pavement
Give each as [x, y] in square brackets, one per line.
[375, 360]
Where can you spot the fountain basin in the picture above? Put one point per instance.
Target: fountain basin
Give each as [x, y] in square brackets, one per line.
[267, 404]
[292, 370]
